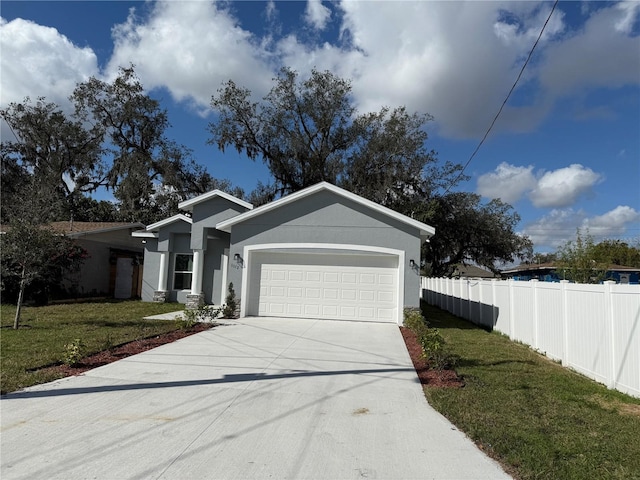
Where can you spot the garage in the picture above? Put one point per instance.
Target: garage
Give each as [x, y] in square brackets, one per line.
[358, 286]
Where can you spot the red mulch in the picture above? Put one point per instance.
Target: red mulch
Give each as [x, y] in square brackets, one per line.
[125, 350]
[428, 376]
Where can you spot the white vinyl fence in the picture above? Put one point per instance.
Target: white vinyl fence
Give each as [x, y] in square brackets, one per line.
[593, 329]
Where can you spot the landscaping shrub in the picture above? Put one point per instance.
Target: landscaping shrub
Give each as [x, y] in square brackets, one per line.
[73, 352]
[229, 310]
[204, 313]
[433, 344]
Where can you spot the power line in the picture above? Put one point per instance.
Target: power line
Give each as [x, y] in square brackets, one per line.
[506, 99]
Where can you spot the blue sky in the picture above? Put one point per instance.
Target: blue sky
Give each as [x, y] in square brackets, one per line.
[565, 151]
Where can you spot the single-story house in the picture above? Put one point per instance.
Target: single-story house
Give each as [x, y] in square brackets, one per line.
[113, 267]
[472, 271]
[321, 252]
[114, 264]
[550, 272]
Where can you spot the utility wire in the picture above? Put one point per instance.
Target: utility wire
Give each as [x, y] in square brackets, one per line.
[506, 99]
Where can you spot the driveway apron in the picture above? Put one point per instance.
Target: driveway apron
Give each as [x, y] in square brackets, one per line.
[250, 399]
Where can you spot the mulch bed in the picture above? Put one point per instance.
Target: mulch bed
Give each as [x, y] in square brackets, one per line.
[124, 350]
[428, 376]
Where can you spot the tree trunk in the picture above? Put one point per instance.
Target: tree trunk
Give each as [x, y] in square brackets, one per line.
[23, 284]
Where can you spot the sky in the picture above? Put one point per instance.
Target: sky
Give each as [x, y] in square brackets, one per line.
[565, 151]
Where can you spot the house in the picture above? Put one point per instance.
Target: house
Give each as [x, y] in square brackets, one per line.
[550, 272]
[321, 252]
[472, 271]
[114, 265]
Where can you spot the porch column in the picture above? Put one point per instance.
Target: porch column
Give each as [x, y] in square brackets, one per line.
[198, 268]
[160, 295]
[196, 298]
[164, 271]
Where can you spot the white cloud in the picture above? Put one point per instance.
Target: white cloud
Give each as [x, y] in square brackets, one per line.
[561, 225]
[611, 223]
[630, 11]
[554, 189]
[555, 228]
[191, 48]
[316, 14]
[507, 182]
[438, 57]
[601, 54]
[455, 60]
[38, 61]
[563, 187]
[271, 12]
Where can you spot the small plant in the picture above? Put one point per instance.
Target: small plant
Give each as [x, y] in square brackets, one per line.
[204, 313]
[107, 342]
[435, 350]
[229, 310]
[73, 352]
[414, 320]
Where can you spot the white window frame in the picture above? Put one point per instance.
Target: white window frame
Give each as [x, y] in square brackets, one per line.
[190, 272]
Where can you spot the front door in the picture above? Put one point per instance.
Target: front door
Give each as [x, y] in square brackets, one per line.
[124, 278]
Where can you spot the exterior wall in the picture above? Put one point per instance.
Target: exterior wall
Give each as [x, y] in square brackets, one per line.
[212, 280]
[328, 218]
[151, 269]
[181, 243]
[207, 215]
[94, 275]
[166, 234]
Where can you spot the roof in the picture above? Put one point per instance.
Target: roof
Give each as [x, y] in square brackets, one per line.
[79, 229]
[530, 266]
[552, 266]
[168, 221]
[473, 271]
[425, 230]
[189, 204]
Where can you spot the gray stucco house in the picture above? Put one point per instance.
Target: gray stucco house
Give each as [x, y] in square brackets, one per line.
[321, 252]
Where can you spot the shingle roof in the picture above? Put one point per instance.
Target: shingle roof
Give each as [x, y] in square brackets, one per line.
[552, 266]
[75, 228]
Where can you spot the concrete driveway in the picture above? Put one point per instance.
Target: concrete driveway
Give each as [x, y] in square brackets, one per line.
[254, 398]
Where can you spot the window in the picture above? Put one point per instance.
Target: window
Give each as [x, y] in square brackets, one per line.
[182, 271]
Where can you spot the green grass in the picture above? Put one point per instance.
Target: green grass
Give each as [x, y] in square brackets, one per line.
[46, 330]
[540, 420]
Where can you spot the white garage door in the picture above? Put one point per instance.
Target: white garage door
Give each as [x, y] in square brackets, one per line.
[325, 286]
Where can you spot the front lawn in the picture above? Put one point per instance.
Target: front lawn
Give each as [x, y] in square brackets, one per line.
[45, 331]
[539, 419]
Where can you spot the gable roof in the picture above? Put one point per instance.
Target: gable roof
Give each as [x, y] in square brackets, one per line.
[80, 229]
[169, 221]
[425, 230]
[189, 204]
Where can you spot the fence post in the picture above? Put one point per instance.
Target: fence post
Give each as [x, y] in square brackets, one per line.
[494, 317]
[565, 323]
[480, 303]
[512, 312]
[534, 292]
[608, 316]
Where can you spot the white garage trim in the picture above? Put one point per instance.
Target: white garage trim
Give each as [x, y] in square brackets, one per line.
[248, 251]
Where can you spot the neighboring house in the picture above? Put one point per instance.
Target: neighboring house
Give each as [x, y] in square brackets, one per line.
[472, 271]
[321, 252]
[550, 272]
[114, 266]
